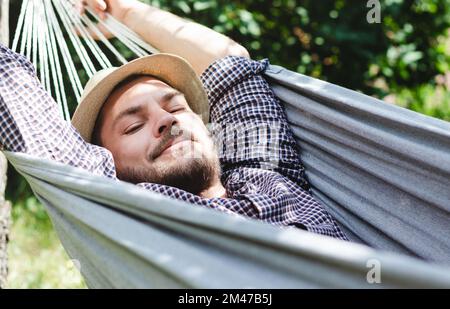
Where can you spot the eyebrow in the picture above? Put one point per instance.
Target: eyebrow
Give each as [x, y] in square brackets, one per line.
[128, 112]
[133, 110]
[170, 95]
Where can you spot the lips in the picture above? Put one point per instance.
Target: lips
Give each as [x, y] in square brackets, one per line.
[167, 146]
[173, 142]
[168, 140]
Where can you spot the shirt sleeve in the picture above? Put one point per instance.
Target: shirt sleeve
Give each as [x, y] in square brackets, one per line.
[247, 120]
[30, 121]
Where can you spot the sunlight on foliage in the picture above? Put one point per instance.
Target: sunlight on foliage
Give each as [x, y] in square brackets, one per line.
[36, 257]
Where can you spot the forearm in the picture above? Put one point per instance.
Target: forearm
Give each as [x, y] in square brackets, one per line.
[169, 33]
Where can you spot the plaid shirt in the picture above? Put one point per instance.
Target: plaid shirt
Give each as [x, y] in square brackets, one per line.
[261, 169]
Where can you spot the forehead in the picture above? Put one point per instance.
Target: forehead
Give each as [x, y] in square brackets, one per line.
[135, 88]
[132, 92]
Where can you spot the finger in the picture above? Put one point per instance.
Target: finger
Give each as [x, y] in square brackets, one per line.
[98, 5]
[79, 7]
[101, 5]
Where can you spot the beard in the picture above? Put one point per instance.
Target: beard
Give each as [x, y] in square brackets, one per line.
[193, 175]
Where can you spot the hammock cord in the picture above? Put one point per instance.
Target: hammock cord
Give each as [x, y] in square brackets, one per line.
[27, 44]
[67, 60]
[75, 40]
[39, 50]
[35, 32]
[132, 35]
[95, 49]
[20, 23]
[48, 30]
[56, 66]
[119, 34]
[103, 39]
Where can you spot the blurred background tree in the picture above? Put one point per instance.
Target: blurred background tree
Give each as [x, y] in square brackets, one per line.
[404, 59]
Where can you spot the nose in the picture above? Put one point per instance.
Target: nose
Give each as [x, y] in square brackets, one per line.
[164, 122]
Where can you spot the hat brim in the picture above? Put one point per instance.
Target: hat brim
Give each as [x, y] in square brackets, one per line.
[171, 69]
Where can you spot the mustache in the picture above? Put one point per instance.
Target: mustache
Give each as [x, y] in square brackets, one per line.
[167, 138]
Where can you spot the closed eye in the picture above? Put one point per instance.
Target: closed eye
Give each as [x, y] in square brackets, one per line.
[133, 128]
[177, 109]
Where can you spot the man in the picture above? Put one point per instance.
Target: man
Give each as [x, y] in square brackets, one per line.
[147, 121]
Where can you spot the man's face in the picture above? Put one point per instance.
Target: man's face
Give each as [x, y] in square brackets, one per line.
[154, 136]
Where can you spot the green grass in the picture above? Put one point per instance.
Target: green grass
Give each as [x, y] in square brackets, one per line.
[36, 256]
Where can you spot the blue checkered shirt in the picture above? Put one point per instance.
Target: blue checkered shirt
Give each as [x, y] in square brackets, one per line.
[261, 169]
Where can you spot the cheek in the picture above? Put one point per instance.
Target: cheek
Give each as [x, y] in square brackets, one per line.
[201, 134]
[195, 125]
[129, 150]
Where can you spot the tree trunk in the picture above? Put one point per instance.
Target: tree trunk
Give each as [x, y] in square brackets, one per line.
[5, 207]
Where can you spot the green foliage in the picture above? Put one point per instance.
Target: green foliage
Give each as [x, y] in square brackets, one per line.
[426, 99]
[332, 40]
[36, 257]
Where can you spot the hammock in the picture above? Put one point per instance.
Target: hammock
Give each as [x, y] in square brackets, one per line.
[382, 171]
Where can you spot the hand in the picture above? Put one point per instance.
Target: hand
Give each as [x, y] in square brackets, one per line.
[117, 8]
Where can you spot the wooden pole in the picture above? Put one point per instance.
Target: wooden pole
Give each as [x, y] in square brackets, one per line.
[5, 207]
[5, 210]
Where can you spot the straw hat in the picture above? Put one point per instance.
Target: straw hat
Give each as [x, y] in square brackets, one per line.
[171, 69]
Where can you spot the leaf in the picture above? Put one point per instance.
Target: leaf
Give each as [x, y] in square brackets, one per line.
[411, 57]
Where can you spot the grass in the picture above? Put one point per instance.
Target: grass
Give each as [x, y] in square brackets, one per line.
[36, 256]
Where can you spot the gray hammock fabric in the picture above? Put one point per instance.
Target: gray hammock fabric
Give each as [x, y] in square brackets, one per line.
[382, 171]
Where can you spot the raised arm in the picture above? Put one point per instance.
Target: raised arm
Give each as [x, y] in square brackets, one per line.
[30, 121]
[169, 33]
